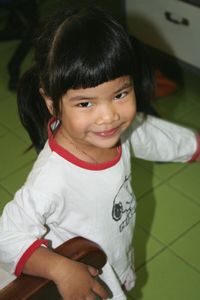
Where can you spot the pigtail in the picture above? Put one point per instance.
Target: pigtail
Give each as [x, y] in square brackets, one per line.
[144, 79]
[32, 109]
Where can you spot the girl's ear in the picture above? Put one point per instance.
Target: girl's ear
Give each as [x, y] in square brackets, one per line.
[48, 101]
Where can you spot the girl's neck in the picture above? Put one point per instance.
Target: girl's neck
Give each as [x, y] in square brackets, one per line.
[94, 156]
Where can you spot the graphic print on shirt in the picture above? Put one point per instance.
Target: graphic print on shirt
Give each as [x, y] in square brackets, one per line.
[123, 204]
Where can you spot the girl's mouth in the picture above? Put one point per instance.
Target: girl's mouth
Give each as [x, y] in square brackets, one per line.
[107, 133]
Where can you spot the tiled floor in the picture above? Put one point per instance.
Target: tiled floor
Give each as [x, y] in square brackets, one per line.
[167, 240]
[167, 236]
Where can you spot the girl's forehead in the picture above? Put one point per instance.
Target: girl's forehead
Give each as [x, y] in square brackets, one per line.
[108, 87]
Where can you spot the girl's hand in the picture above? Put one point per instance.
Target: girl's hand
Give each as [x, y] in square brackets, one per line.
[76, 281]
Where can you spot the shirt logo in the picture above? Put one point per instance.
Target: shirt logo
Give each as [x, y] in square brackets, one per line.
[124, 204]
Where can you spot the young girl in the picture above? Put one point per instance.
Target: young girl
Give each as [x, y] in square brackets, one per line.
[84, 87]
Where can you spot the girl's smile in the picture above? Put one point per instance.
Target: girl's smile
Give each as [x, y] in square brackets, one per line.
[94, 118]
[107, 133]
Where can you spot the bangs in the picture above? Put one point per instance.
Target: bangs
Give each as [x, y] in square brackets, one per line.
[88, 53]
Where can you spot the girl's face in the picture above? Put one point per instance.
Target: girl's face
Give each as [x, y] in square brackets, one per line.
[96, 117]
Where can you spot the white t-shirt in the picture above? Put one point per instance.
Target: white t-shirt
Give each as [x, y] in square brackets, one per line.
[64, 197]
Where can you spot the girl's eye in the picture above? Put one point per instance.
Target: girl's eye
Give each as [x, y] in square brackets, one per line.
[121, 95]
[85, 104]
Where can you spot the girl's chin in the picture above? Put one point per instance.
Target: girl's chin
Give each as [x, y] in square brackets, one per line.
[105, 143]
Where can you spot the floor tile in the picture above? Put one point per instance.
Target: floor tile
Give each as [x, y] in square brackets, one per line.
[4, 198]
[22, 134]
[188, 247]
[191, 119]
[6, 50]
[130, 297]
[9, 114]
[191, 85]
[166, 277]
[187, 181]
[183, 101]
[12, 155]
[145, 247]
[13, 182]
[166, 213]
[2, 130]
[142, 179]
[174, 106]
[161, 170]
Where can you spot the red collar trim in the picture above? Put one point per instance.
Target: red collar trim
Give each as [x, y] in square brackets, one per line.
[73, 159]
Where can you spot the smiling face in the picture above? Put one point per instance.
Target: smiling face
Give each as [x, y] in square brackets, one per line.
[96, 117]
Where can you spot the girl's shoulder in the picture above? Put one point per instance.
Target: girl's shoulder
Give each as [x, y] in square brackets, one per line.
[46, 170]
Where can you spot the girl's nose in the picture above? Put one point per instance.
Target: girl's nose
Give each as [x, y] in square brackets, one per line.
[107, 115]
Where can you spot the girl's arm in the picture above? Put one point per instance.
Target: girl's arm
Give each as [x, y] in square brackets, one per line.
[74, 280]
[21, 250]
[156, 139]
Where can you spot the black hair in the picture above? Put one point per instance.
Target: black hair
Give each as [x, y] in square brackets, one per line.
[77, 48]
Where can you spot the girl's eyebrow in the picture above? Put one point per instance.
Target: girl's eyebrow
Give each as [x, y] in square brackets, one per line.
[124, 86]
[80, 97]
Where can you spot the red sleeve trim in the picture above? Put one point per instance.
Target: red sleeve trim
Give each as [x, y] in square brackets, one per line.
[27, 254]
[196, 155]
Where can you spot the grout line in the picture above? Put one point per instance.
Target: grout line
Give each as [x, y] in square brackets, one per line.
[168, 247]
[181, 192]
[12, 132]
[167, 183]
[151, 190]
[5, 190]
[17, 170]
[184, 233]
[151, 258]
[185, 261]
[176, 172]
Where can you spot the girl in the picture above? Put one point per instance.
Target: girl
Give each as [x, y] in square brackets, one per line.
[84, 86]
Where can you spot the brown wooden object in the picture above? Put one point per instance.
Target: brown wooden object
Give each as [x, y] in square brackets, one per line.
[27, 287]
